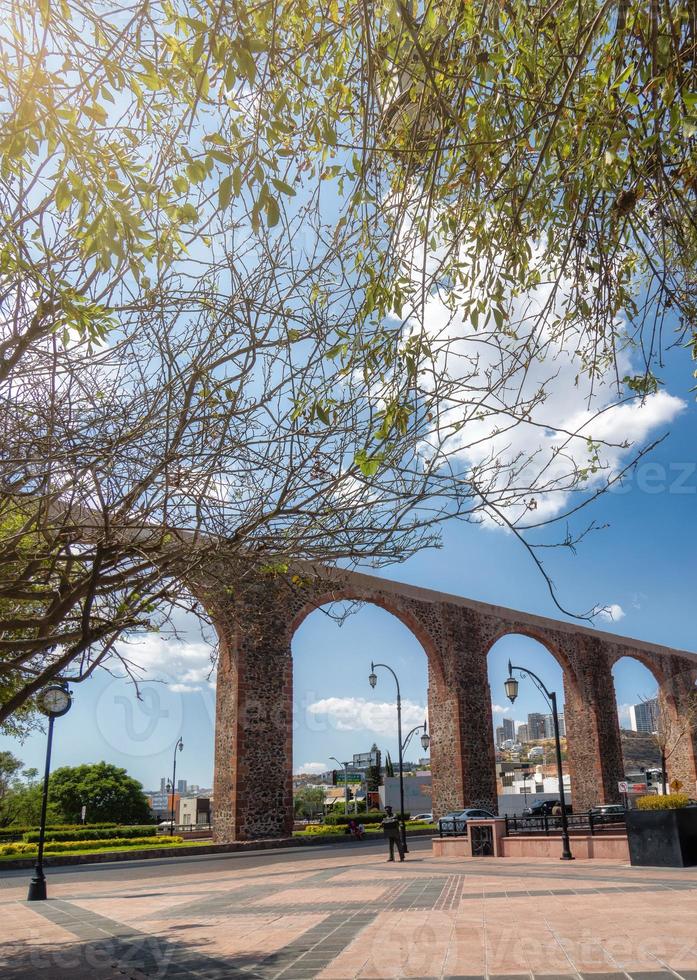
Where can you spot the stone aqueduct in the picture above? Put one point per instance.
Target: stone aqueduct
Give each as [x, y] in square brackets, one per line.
[254, 711]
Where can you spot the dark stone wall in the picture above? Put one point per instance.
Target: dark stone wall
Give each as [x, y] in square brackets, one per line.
[256, 615]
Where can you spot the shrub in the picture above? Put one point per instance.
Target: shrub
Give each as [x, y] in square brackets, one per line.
[17, 833]
[61, 847]
[373, 816]
[7, 849]
[88, 833]
[313, 829]
[671, 801]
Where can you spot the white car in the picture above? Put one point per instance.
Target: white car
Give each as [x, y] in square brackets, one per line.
[456, 822]
[422, 817]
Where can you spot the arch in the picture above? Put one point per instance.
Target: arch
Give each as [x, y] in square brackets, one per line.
[537, 711]
[388, 603]
[675, 734]
[542, 637]
[335, 711]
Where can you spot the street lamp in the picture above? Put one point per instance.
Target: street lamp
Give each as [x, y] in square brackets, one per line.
[373, 679]
[425, 737]
[54, 702]
[511, 688]
[345, 766]
[180, 746]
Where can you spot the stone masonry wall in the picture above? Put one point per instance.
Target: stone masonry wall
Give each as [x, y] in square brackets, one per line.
[256, 616]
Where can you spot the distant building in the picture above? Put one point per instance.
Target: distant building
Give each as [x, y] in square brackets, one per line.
[163, 784]
[644, 716]
[536, 726]
[195, 810]
[523, 734]
[509, 729]
[499, 736]
[549, 726]
[181, 786]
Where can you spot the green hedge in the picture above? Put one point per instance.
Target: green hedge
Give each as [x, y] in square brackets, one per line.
[62, 847]
[671, 801]
[96, 833]
[18, 832]
[373, 816]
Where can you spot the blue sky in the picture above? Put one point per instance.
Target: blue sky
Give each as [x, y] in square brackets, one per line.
[643, 562]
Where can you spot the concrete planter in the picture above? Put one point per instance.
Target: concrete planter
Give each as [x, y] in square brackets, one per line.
[663, 838]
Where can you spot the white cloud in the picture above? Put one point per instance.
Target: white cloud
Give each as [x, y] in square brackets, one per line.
[497, 381]
[357, 714]
[612, 613]
[311, 768]
[497, 709]
[623, 713]
[188, 662]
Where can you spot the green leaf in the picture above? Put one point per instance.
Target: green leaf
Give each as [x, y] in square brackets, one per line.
[96, 112]
[368, 465]
[273, 213]
[225, 193]
[281, 186]
[63, 195]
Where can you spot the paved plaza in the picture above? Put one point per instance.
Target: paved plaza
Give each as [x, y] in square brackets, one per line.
[343, 912]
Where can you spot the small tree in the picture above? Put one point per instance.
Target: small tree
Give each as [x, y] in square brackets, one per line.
[308, 801]
[107, 791]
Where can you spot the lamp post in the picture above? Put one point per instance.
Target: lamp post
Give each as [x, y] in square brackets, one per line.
[373, 679]
[179, 746]
[54, 702]
[345, 766]
[511, 688]
[425, 737]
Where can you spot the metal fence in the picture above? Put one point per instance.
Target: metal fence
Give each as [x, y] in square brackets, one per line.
[588, 823]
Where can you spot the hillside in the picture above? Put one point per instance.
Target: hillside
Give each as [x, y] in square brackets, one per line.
[639, 750]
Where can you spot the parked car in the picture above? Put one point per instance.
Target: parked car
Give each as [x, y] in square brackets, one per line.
[543, 808]
[456, 822]
[608, 813]
[423, 817]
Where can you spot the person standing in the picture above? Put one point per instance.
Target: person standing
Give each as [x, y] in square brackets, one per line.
[391, 830]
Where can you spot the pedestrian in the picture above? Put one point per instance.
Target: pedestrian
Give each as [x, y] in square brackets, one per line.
[556, 809]
[391, 830]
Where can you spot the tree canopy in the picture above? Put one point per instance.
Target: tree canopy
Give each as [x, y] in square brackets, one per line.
[107, 791]
[281, 280]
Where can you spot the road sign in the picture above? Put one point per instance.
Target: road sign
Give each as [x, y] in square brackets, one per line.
[341, 777]
[623, 787]
[639, 787]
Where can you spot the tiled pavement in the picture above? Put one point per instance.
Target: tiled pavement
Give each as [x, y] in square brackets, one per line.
[347, 914]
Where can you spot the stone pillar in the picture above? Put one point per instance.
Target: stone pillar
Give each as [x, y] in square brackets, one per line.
[253, 793]
[594, 748]
[678, 725]
[463, 762]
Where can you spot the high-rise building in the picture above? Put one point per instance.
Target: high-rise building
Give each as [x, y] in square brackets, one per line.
[523, 734]
[508, 729]
[644, 716]
[499, 736]
[163, 784]
[536, 726]
[549, 726]
[181, 786]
